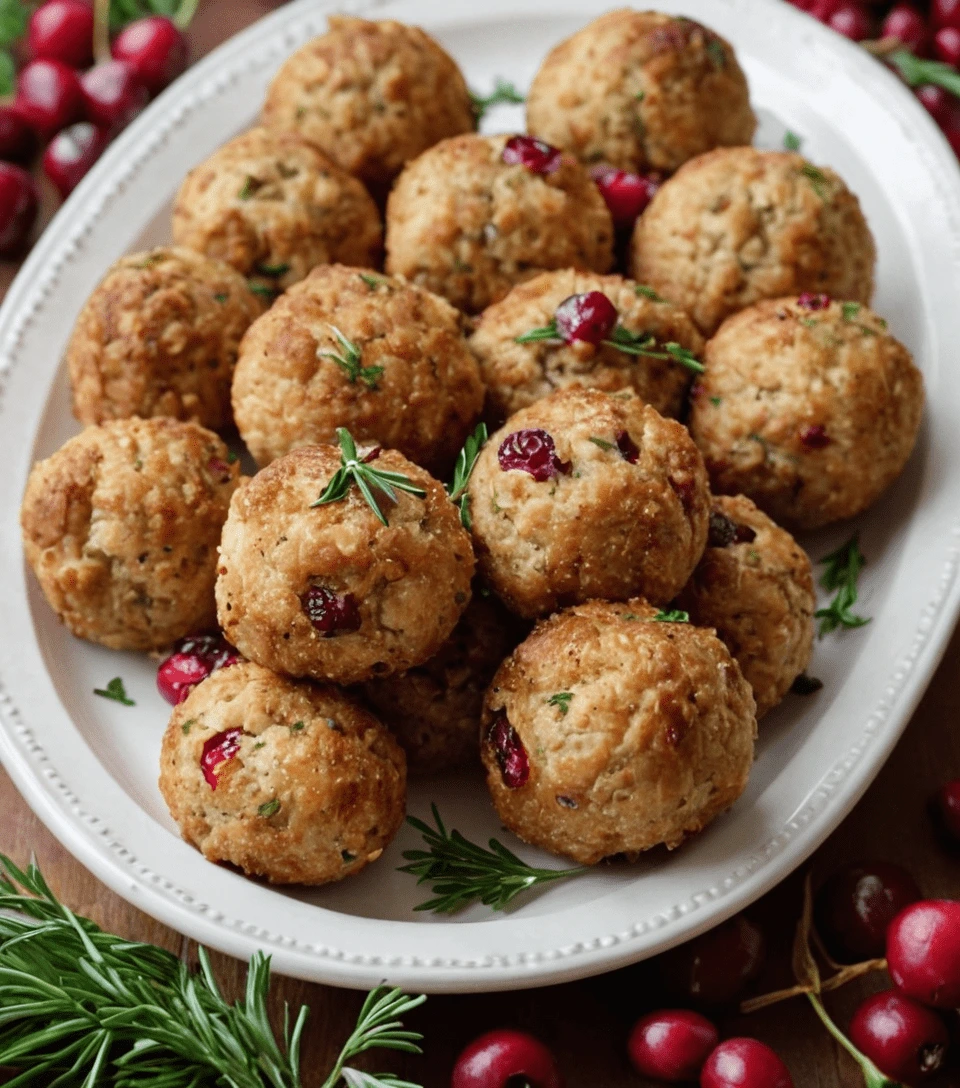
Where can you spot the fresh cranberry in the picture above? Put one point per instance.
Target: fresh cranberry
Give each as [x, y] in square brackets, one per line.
[112, 97]
[671, 1045]
[71, 153]
[532, 153]
[19, 201]
[937, 102]
[744, 1063]
[503, 1059]
[908, 26]
[510, 753]
[813, 436]
[18, 141]
[902, 1038]
[62, 30]
[951, 131]
[948, 807]
[714, 968]
[823, 9]
[946, 45]
[193, 659]
[48, 95]
[331, 613]
[629, 450]
[852, 21]
[945, 13]
[216, 750]
[627, 195]
[531, 451]
[923, 952]
[809, 301]
[857, 904]
[155, 50]
[590, 317]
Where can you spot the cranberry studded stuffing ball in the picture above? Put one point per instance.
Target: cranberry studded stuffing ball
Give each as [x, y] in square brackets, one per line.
[329, 591]
[642, 91]
[371, 95]
[609, 731]
[475, 215]
[738, 225]
[586, 494]
[274, 206]
[121, 527]
[159, 337]
[348, 348]
[808, 406]
[571, 328]
[289, 781]
[754, 586]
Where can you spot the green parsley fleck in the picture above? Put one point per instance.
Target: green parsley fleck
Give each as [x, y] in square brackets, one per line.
[791, 141]
[262, 290]
[817, 179]
[640, 95]
[296, 727]
[115, 691]
[232, 458]
[717, 55]
[250, 186]
[716, 401]
[269, 808]
[504, 92]
[647, 292]
[849, 310]
[260, 744]
[561, 700]
[672, 616]
[602, 443]
[272, 270]
[221, 296]
[186, 725]
[372, 281]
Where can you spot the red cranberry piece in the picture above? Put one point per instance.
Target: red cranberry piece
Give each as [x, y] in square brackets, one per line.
[946, 45]
[948, 807]
[810, 301]
[155, 50]
[908, 26]
[112, 97]
[216, 750]
[503, 1059]
[629, 450]
[19, 201]
[48, 95]
[744, 1063]
[590, 317]
[923, 952]
[62, 30]
[510, 753]
[193, 659]
[532, 153]
[18, 141]
[71, 153]
[857, 903]
[219, 468]
[714, 968]
[813, 436]
[331, 613]
[532, 451]
[671, 1045]
[945, 13]
[901, 1037]
[627, 195]
[852, 21]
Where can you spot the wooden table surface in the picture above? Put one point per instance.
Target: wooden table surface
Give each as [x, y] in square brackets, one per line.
[585, 1023]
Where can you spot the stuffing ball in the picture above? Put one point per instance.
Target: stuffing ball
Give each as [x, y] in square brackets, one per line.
[159, 337]
[475, 215]
[274, 206]
[642, 91]
[371, 95]
[609, 732]
[809, 407]
[738, 225]
[348, 348]
[329, 591]
[121, 527]
[580, 353]
[586, 494]
[754, 586]
[434, 710]
[290, 781]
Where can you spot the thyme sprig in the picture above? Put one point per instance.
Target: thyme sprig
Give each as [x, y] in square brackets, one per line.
[503, 92]
[631, 343]
[843, 569]
[350, 362]
[466, 459]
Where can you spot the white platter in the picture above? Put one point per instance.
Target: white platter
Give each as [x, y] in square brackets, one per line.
[88, 767]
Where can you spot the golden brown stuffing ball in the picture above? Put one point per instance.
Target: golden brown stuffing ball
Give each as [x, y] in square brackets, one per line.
[121, 527]
[371, 95]
[610, 732]
[159, 337]
[517, 374]
[587, 494]
[809, 407]
[348, 348]
[274, 206]
[329, 591]
[738, 225]
[475, 215]
[642, 91]
[290, 781]
[754, 586]
[434, 710]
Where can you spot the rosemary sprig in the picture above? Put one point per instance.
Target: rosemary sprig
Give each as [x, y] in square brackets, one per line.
[466, 459]
[461, 872]
[503, 92]
[843, 570]
[630, 343]
[356, 470]
[350, 362]
[378, 1027]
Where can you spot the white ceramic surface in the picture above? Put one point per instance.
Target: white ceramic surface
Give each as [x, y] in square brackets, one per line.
[88, 766]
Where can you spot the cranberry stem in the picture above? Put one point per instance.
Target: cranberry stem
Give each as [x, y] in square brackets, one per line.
[101, 31]
[185, 14]
[872, 1077]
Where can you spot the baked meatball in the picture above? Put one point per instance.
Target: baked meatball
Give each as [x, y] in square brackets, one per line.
[809, 407]
[642, 91]
[274, 206]
[371, 95]
[434, 710]
[738, 225]
[587, 494]
[159, 337]
[121, 527]
[290, 781]
[329, 591]
[518, 373]
[475, 215]
[754, 586]
[610, 732]
[348, 348]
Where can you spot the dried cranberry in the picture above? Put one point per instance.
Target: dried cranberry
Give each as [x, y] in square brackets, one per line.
[534, 154]
[590, 317]
[629, 450]
[331, 613]
[810, 301]
[193, 659]
[531, 451]
[813, 436]
[216, 750]
[510, 753]
[627, 195]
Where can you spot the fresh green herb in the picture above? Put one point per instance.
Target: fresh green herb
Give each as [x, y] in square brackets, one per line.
[629, 616]
[647, 292]
[602, 443]
[561, 700]
[503, 92]
[849, 310]
[296, 727]
[274, 271]
[545, 332]
[806, 685]
[809, 322]
[378, 1027]
[916, 71]
[350, 362]
[674, 616]
[843, 570]
[186, 725]
[157, 257]
[115, 691]
[269, 808]
[126, 11]
[221, 296]
[250, 186]
[640, 95]
[791, 141]
[817, 179]
[260, 744]
[753, 557]
[631, 343]
[232, 458]
[460, 872]
[372, 281]
[716, 401]
[466, 459]
[261, 289]
[8, 73]
[717, 55]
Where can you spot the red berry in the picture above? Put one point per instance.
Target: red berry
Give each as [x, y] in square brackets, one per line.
[945, 13]
[71, 153]
[509, 752]
[714, 968]
[216, 750]
[810, 301]
[852, 21]
[744, 1063]
[504, 1058]
[903, 1039]
[823, 9]
[946, 45]
[48, 95]
[671, 1045]
[112, 97]
[629, 450]
[937, 102]
[857, 904]
[19, 201]
[923, 952]
[193, 659]
[813, 436]
[590, 317]
[532, 451]
[532, 153]
[62, 30]
[948, 806]
[155, 50]
[18, 141]
[331, 613]
[905, 23]
[626, 194]
[952, 133]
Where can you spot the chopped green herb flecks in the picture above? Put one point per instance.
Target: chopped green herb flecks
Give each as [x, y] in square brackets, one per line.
[647, 292]
[249, 187]
[716, 401]
[791, 141]
[296, 727]
[261, 289]
[817, 179]
[273, 270]
[843, 570]
[349, 361]
[717, 55]
[503, 92]
[269, 808]
[185, 728]
[849, 310]
[221, 296]
[602, 443]
[259, 744]
[371, 280]
[466, 459]
[115, 691]
[561, 700]
[672, 616]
